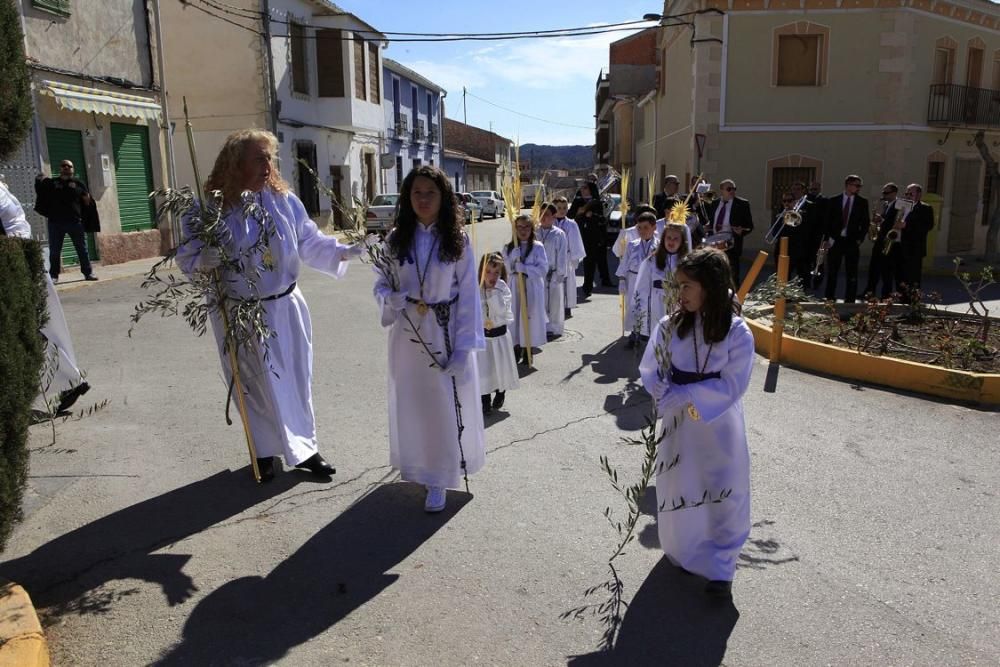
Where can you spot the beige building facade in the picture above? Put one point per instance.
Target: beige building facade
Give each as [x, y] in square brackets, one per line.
[97, 103]
[785, 90]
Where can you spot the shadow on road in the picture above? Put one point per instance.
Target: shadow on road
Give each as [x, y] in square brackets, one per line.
[257, 620]
[65, 574]
[669, 622]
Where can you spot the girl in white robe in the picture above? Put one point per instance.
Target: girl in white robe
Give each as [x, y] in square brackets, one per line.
[497, 365]
[556, 251]
[703, 478]
[527, 259]
[636, 252]
[67, 383]
[575, 250]
[278, 388]
[436, 291]
[654, 295]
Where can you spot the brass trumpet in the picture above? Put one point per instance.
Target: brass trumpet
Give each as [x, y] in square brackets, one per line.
[820, 260]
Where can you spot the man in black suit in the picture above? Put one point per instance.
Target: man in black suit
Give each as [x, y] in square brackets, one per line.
[914, 229]
[846, 226]
[588, 211]
[730, 213]
[663, 200]
[885, 267]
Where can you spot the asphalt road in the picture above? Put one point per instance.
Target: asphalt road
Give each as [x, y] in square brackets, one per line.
[875, 516]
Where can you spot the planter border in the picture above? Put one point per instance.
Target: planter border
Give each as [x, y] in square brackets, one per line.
[981, 388]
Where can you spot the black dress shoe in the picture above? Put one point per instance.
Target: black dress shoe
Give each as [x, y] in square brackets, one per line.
[265, 467]
[719, 589]
[69, 397]
[487, 406]
[317, 465]
[498, 400]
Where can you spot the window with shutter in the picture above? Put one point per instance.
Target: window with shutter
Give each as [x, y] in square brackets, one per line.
[373, 74]
[360, 78]
[300, 77]
[330, 63]
[799, 60]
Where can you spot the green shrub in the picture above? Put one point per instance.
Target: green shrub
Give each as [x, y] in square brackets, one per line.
[22, 352]
[15, 93]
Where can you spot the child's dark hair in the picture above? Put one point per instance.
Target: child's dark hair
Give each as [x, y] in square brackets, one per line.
[515, 242]
[661, 248]
[709, 267]
[449, 222]
[492, 259]
[547, 207]
[646, 216]
[644, 208]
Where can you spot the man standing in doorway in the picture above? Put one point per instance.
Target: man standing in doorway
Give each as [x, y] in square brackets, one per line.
[65, 201]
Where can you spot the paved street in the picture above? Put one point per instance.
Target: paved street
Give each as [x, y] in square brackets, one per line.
[876, 517]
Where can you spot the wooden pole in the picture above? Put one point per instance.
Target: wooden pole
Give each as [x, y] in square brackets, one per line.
[751, 276]
[220, 290]
[778, 325]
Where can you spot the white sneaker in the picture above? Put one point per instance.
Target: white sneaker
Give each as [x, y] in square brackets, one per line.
[436, 499]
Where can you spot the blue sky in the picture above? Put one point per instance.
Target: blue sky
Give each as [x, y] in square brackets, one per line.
[548, 78]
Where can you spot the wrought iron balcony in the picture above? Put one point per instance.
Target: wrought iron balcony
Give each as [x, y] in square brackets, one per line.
[952, 106]
[433, 134]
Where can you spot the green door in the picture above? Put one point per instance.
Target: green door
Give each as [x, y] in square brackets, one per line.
[133, 175]
[68, 145]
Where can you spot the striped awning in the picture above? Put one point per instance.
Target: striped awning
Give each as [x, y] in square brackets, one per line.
[104, 102]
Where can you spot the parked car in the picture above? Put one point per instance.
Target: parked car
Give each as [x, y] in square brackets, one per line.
[491, 202]
[469, 206]
[382, 213]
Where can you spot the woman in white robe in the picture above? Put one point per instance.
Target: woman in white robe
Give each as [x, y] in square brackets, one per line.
[437, 289]
[497, 365]
[278, 389]
[575, 250]
[654, 295]
[67, 383]
[703, 478]
[556, 251]
[527, 259]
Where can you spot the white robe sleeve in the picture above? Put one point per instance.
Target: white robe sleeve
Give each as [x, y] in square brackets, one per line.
[562, 257]
[625, 263]
[188, 250]
[468, 310]
[714, 397]
[576, 249]
[506, 311]
[12, 215]
[649, 367]
[643, 282]
[537, 264]
[320, 251]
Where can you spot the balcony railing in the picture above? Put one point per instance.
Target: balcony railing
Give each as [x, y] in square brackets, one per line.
[432, 136]
[418, 132]
[402, 127]
[963, 106]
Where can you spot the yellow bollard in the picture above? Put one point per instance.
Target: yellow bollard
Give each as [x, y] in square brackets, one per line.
[778, 325]
[751, 276]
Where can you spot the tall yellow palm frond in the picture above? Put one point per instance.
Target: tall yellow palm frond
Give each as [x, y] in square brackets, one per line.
[626, 181]
[650, 189]
[510, 188]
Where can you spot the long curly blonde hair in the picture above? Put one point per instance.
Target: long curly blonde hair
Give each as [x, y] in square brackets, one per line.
[227, 174]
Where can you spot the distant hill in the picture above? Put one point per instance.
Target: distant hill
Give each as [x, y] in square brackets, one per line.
[558, 157]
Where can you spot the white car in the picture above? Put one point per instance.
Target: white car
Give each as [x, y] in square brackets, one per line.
[382, 213]
[491, 202]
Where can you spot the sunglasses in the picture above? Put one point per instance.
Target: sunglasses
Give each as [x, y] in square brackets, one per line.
[729, 189]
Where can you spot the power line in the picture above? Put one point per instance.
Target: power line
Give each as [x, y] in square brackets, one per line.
[248, 13]
[518, 113]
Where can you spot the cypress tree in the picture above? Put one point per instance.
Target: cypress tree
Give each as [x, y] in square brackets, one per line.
[15, 93]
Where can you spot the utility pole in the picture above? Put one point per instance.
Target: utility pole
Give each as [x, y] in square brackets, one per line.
[269, 67]
[465, 115]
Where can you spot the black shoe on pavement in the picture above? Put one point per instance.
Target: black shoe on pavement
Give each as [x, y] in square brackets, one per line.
[69, 397]
[265, 467]
[317, 466]
[487, 406]
[91, 277]
[498, 400]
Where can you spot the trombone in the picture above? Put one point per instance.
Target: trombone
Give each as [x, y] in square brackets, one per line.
[789, 218]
